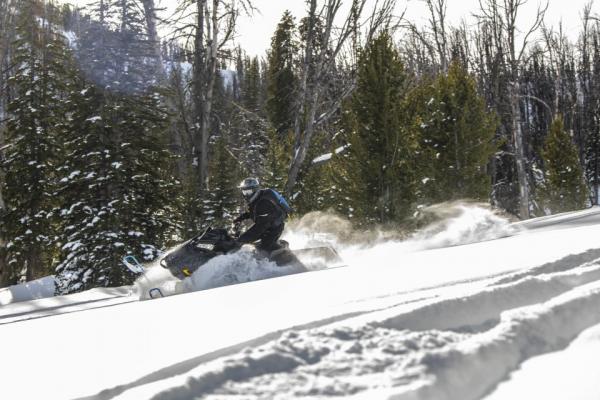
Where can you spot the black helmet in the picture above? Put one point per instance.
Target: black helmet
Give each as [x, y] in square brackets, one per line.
[249, 188]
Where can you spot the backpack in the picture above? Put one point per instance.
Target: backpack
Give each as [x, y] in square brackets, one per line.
[281, 201]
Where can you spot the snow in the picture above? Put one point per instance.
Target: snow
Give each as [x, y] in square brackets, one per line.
[473, 306]
[228, 77]
[566, 374]
[36, 289]
[230, 269]
[322, 158]
[71, 38]
[94, 119]
[327, 157]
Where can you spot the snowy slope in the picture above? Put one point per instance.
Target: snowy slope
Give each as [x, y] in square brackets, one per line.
[572, 373]
[404, 319]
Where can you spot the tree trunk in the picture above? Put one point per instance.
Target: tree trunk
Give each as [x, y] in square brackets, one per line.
[519, 151]
[205, 75]
[199, 80]
[6, 35]
[301, 99]
[300, 154]
[150, 14]
[313, 83]
[211, 67]
[32, 265]
[161, 73]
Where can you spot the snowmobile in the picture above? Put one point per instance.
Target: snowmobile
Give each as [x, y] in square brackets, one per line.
[191, 255]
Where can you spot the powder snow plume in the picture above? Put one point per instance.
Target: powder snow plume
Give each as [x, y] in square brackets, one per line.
[157, 277]
[235, 268]
[456, 224]
[225, 270]
[461, 223]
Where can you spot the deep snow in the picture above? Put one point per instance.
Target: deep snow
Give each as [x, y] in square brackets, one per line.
[571, 373]
[404, 319]
[37, 289]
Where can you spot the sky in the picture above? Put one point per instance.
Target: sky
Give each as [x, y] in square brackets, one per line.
[254, 33]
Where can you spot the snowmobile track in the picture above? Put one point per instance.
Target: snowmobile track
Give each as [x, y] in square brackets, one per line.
[66, 309]
[438, 348]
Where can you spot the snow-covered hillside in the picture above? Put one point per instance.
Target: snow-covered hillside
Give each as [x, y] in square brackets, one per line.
[439, 316]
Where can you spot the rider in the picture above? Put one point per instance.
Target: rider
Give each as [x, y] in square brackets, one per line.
[268, 210]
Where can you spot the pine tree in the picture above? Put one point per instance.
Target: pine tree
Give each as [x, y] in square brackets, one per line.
[379, 165]
[222, 203]
[118, 197]
[456, 134]
[564, 188]
[277, 160]
[118, 194]
[317, 188]
[35, 124]
[115, 51]
[281, 76]
[251, 96]
[246, 127]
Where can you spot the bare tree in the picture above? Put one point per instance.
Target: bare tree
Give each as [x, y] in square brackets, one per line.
[431, 43]
[589, 49]
[207, 26]
[501, 16]
[318, 63]
[437, 22]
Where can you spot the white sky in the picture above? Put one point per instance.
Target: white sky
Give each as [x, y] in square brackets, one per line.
[255, 33]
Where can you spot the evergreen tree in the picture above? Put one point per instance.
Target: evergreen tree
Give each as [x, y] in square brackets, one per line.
[246, 127]
[222, 203]
[380, 164]
[564, 188]
[35, 123]
[116, 191]
[590, 109]
[115, 51]
[281, 76]
[319, 181]
[456, 134]
[277, 160]
[251, 97]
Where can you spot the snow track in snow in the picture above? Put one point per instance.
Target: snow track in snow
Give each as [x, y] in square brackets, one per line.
[483, 308]
[48, 307]
[439, 348]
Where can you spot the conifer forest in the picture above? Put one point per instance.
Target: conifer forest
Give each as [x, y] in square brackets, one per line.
[125, 132]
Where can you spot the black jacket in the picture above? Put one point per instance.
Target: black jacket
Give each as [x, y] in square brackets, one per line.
[267, 215]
